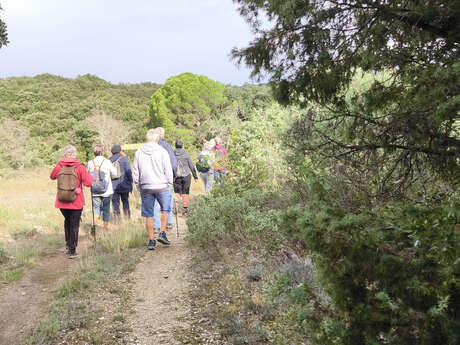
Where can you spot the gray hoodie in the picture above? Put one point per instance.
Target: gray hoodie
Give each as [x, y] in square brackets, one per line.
[184, 163]
[152, 168]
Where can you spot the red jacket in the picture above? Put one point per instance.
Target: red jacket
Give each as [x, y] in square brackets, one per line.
[220, 161]
[83, 177]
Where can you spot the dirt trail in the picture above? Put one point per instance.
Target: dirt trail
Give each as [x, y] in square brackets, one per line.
[24, 303]
[160, 303]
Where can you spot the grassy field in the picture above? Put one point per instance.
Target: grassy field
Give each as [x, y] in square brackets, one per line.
[31, 227]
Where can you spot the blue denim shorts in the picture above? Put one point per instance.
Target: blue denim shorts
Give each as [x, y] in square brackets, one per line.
[148, 203]
[102, 205]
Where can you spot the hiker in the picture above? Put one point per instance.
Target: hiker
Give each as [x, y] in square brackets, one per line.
[185, 170]
[172, 158]
[122, 183]
[71, 176]
[221, 158]
[102, 171]
[204, 165]
[153, 177]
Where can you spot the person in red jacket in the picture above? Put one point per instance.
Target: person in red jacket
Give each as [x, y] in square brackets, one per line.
[72, 210]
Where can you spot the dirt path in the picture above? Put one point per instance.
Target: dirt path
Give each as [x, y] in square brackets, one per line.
[24, 303]
[160, 304]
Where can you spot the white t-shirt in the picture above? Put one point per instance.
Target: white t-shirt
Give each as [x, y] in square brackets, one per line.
[108, 169]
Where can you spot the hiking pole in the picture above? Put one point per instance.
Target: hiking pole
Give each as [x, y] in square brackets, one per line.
[177, 223]
[93, 227]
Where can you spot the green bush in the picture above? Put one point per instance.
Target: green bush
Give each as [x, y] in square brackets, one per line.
[232, 214]
[3, 255]
[392, 271]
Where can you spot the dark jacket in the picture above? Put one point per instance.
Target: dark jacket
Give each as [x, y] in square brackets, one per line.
[184, 160]
[172, 157]
[124, 184]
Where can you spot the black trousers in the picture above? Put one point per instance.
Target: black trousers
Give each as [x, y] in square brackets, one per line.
[71, 227]
[116, 203]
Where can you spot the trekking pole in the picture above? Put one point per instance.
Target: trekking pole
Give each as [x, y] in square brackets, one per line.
[177, 223]
[93, 227]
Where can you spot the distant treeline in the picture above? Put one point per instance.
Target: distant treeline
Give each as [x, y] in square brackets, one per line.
[41, 114]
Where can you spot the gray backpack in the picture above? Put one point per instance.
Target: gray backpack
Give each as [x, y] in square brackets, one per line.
[100, 185]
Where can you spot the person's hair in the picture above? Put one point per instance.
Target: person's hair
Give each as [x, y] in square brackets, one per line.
[207, 146]
[160, 131]
[218, 140]
[179, 144]
[69, 151]
[152, 135]
[98, 149]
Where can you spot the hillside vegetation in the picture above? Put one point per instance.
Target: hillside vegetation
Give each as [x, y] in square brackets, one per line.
[39, 115]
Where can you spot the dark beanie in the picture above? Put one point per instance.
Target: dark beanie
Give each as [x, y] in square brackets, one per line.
[116, 149]
[179, 144]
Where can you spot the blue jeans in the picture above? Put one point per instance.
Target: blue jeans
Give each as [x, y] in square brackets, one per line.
[219, 176]
[149, 202]
[102, 205]
[156, 214]
[207, 178]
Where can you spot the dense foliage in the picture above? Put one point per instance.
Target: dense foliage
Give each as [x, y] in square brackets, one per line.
[3, 32]
[373, 159]
[184, 102]
[39, 115]
[312, 50]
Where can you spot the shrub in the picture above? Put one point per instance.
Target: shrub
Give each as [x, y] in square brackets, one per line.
[392, 271]
[229, 214]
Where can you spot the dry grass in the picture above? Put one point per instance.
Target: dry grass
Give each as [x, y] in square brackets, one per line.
[27, 202]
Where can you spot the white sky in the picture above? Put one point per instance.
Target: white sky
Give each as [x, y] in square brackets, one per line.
[123, 41]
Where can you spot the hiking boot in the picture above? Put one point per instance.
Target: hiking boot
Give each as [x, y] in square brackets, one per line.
[152, 244]
[73, 255]
[169, 226]
[163, 239]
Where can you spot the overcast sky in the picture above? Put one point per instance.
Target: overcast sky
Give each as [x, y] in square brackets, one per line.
[126, 41]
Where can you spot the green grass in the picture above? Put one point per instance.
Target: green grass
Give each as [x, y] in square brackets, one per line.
[127, 236]
[10, 276]
[17, 256]
[119, 318]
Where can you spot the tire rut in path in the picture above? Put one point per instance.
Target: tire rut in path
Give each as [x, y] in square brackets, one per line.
[24, 303]
[160, 293]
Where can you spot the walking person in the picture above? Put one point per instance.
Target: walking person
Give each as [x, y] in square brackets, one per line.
[122, 183]
[185, 170]
[71, 176]
[172, 158]
[102, 171]
[221, 159]
[153, 177]
[204, 166]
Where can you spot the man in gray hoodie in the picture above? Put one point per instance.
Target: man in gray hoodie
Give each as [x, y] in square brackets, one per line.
[153, 177]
